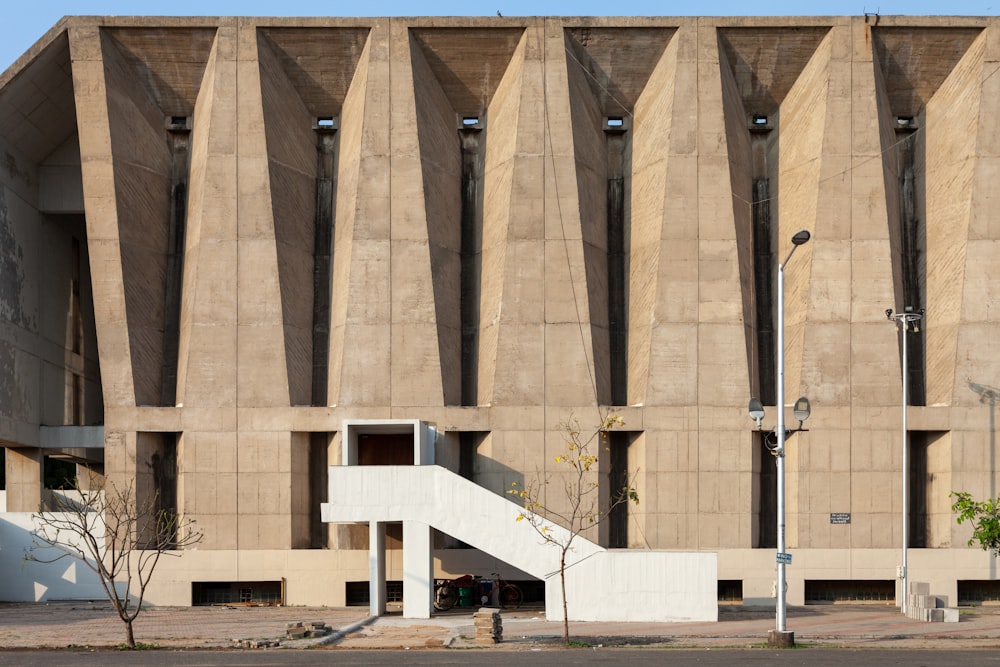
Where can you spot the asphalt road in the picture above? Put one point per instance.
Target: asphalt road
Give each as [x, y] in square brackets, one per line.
[813, 657]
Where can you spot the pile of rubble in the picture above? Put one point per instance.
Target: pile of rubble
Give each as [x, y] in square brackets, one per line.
[307, 629]
[256, 643]
[294, 630]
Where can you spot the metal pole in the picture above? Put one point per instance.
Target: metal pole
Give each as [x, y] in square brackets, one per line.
[779, 449]
[903, 321]
[906, 466]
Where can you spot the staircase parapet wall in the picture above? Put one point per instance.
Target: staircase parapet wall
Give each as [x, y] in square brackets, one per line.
[449, 503]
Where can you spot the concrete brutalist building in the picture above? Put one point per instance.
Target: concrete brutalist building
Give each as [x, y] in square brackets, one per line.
[225, 239]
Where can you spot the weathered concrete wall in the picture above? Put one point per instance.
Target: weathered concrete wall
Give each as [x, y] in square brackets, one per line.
[85, 116]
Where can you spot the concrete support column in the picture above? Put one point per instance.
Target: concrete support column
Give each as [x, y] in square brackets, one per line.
[376, 567]
[25, 473]
[418, 570]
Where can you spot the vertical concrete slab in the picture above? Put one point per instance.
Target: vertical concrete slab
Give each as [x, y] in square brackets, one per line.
[418, 570]
[207, 351]
[102, 216]
[950, 191]
[376, 568]
[261, 374]
[361, 330]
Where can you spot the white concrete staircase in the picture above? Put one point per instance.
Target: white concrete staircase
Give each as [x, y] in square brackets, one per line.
[602, 584]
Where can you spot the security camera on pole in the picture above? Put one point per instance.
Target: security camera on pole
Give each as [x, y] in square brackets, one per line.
[908, 320]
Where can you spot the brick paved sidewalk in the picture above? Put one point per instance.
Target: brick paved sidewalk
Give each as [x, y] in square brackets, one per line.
[62, 624]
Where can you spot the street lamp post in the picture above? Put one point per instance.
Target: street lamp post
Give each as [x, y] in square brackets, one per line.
[780, 636]
[905, 321]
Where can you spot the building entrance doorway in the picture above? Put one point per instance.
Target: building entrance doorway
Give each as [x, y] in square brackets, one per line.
[385, 449]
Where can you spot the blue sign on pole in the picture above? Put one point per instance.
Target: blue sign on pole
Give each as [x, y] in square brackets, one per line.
[783, 558]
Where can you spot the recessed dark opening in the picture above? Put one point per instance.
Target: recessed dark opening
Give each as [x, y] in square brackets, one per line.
[850, 591]
[730, 590]
[249, 593]
[358, 593]
[386, 449]
[979, 592]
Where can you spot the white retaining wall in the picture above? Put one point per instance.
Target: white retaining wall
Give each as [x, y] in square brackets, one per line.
[26, 581]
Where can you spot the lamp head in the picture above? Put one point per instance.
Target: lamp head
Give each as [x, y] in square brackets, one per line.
[756, 410]
[802, 409]
[802, 236]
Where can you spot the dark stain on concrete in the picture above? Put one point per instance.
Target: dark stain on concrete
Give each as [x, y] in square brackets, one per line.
[11, 267]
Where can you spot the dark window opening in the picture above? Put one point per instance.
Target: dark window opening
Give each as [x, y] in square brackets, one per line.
[615, 124]
[976, 592]
[357, 594]
[615, 391]
[730, 591]
[178, 125]
[905, 123]
[324, 228]
[473, 147]
[319, 532]
[247, 593]
[929, 466]
[760, 123]
[468, 446]
[394, 591]
[764, 266]
[767, 509]
[618, 442]
[385, 449]
[59, 473]
[827, 591]
[164, 467]
[911, 236]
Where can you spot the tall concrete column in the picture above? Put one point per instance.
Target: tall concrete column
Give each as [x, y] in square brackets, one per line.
[376, 567]
[25, 471]
[418, 570]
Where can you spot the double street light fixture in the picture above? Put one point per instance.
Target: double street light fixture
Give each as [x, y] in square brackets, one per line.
[908, 320]
[781, 636]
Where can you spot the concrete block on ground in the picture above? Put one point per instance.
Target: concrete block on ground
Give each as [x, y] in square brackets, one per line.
[489, 626]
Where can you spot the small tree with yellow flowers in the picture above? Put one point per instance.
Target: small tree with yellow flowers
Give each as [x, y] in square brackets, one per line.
[583, 509]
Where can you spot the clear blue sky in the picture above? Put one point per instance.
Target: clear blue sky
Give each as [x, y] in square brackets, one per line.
[25, 21]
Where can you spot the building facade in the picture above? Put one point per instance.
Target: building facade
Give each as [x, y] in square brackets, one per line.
[221, 240]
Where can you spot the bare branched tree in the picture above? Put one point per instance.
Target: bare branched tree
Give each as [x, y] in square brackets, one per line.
[118, 537]
[583, 509]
